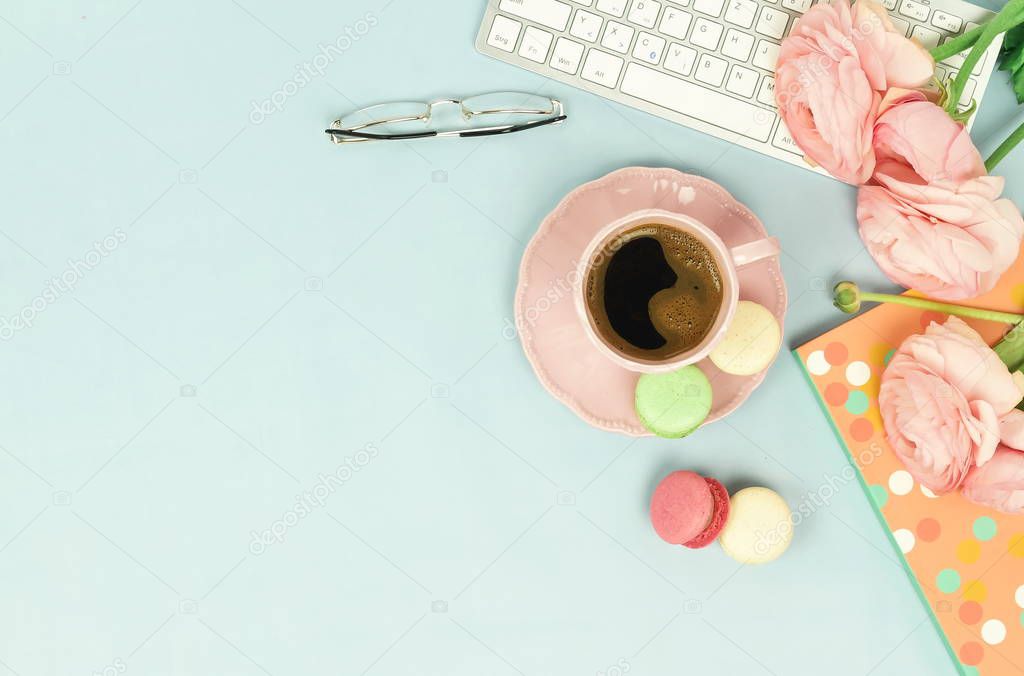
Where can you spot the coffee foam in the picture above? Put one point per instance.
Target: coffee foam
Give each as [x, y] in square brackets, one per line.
[683, 312]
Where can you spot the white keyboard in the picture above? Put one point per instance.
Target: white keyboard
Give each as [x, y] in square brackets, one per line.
[706, 64]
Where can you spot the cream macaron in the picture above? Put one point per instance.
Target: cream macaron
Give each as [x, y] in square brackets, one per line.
[759, 528]
[751, 341]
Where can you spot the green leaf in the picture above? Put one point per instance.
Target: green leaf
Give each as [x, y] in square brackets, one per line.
[1011, 59]
[1017, 80]
[1013, 38]
[1011, 348]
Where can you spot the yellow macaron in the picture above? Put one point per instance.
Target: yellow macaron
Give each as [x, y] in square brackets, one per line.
[759, 528]
[751, 341]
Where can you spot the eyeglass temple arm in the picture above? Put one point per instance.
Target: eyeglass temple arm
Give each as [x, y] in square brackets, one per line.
[514, 128]
[358, 134]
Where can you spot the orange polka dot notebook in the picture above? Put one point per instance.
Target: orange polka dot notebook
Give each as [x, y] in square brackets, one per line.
[966, 561]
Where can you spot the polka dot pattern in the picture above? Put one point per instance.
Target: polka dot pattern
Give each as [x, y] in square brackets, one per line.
[817, 364]
[968, 551]
[836, 354]
[861, 429]
[984, 528]
[971, 653]
[878, 352]
[858, 373]
[953, 556]
[905, 539]
[993, 632]
[1016, 547]
[929, 530]
[1017, 293]
[900, 482]
[948, 581]
[975, 590]
[970, 612]
[857, 402]
[835, 394]
[879, 495]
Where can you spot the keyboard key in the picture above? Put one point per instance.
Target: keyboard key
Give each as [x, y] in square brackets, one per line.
[602, 68]
[926, 36]
[644, 12]
[914, 10]
[680, 59]
[585, 3]
[613, 7]
[889, 5]
[566, 56]
[711, 70]
[586, 26]
[742, 81]
[772, 22]
[741, 12]
[784, 140]
[737, 45]
[535, 44]
[706, 33]
[957, 60]
[766, 55]
[900, 25]
[649, 48]
[550, 13]
[709, 7]
[504, 33]
[800, 6]
[766, 92]
[695, 101]
[968, 93]
[946, 21]
[617, 37]
[675, 23]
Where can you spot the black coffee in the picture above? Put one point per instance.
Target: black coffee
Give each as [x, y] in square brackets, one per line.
[654, 292]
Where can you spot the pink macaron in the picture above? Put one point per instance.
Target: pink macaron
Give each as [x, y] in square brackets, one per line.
[689, 510]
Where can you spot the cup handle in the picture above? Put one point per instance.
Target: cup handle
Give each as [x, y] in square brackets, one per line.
[751, 252]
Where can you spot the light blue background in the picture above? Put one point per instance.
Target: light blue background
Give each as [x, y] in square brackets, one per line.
[280, 304]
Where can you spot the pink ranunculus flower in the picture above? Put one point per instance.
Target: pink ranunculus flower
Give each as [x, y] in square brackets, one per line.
[1000, 483]
[831, 73]
[932, 218]
[942, 397]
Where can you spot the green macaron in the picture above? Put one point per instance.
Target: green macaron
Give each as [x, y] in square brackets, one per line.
[672, 405]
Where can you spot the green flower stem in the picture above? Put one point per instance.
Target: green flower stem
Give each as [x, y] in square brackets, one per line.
[1006, 19]
[957, 44]
[947, 308]
[1004, 148]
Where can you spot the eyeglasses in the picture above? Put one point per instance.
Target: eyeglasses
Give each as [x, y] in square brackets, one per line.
[484, 115]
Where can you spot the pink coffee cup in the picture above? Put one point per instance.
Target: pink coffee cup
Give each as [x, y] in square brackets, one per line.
[728, 261]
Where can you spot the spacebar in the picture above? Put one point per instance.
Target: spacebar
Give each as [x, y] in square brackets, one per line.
[696, 101]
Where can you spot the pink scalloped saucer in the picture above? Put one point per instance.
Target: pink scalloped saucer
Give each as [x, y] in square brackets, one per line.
[567, 363]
